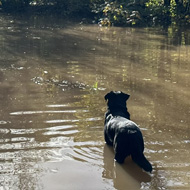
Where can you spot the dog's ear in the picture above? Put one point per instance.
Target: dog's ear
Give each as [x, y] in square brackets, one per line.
[112, 94]
[125, 96]
[108, 95]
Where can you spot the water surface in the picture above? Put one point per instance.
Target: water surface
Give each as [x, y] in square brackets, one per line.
[53, 78]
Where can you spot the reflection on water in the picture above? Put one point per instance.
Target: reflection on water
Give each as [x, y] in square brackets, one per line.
[53, 77]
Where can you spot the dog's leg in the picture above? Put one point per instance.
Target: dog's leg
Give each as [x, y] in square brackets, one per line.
[121, 148]
[108, 142]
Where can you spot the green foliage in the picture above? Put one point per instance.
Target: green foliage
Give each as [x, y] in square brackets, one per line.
[118, 13]
[157, 12]
[110, 12]
[173, 9]
[123, 12]
[114, 13]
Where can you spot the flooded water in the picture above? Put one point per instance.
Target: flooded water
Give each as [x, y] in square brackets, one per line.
[53, 78]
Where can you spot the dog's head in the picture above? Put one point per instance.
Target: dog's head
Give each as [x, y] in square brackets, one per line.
[116, 99]
[116, 102]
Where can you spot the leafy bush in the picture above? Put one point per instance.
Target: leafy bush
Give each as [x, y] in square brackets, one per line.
[157, 12]
[172, 11]
[118, 13]
[111, 12]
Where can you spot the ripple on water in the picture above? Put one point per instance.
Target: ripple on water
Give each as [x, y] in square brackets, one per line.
[22, 131]
[71, 132]
[43, 112]
[55, 132]
[3, 122]
[4, 131]
[62, 121]
[61, 127]
[57, 105]
[54, 136]
[87, 152]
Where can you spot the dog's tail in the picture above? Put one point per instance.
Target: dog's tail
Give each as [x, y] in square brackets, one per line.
[137, 149]
[142, 162]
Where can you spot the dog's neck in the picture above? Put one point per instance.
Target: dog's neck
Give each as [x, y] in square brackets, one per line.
[118, 111]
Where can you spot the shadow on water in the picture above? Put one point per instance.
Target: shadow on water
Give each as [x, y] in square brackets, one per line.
[130, 175]
[126, 175]
[53, 77]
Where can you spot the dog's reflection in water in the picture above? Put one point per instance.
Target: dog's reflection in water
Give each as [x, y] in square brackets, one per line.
[125, 176]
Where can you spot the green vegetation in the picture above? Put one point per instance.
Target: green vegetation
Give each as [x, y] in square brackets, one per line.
[110, 12]
[144, 12]
[166, 11]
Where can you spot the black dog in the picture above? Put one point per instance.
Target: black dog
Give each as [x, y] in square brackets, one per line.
[122, 133]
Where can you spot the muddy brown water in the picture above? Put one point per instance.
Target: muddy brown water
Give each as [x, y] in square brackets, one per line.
[53, 78]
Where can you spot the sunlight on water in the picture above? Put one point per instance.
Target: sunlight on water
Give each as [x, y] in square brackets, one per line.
[53, 81]
[41, 112]
[57, 106]
[61, 121]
